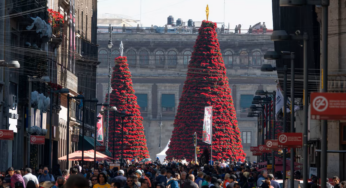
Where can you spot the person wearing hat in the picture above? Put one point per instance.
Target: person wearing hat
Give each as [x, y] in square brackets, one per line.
[120, 178]
[140, 175]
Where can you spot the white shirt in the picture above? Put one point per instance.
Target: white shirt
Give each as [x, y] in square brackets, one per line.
[31, 177]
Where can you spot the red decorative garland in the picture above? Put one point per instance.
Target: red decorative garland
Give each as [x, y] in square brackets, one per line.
[206, 85]
[124, 98]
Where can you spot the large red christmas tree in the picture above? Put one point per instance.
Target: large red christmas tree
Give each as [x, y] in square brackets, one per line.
[206, 85]
[124, 98]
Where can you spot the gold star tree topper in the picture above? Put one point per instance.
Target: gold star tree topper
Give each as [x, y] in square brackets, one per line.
[207, 12]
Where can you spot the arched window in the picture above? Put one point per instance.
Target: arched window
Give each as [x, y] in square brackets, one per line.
[172, 58]
[187, 57]
[143, 57]
[131, 57]
[103, 58]
[160, 58]
[244, 58]
[256, 58]
[228, 58]
[115, 54]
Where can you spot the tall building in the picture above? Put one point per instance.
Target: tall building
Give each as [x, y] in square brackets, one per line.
[54, 40]
[158, 59]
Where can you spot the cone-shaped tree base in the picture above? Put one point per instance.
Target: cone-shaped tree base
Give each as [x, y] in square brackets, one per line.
[206, 85]
[123, 97]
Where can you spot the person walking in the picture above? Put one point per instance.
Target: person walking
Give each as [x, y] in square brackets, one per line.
[17, 177]
[59, 182]
[262, 177]
[336, 181]
[274, 183]
[76, 181]
[45, 176]
[190, 183]
[30, 177]
[102, 181]
[120, 178]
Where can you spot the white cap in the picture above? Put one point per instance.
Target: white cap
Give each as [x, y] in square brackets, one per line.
[121, 172]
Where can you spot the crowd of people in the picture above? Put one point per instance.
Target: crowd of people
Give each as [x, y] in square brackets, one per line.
[169, 174]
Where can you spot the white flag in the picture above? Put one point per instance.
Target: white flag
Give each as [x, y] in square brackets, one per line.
[279, 100]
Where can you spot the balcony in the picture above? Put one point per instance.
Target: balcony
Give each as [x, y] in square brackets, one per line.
[337, 83]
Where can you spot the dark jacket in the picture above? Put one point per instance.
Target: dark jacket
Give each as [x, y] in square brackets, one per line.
[274, 183]
[161, 179]
[190, 184]
[120, 179]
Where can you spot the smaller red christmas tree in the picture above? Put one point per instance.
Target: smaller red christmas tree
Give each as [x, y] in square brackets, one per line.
[124, 98]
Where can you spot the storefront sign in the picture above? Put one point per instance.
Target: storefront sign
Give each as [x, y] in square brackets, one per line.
[6, 135]
[75, 138]
[272, 144]
[34, 139]
[253, 148]
[264, 149]
[328, 106]
[294, 140]
[256, 153]
[101, 148]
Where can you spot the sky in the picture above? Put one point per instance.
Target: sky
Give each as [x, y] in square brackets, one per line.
[155, 12]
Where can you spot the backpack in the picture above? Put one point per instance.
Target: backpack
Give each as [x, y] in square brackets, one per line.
[50, 176]
[205, 183]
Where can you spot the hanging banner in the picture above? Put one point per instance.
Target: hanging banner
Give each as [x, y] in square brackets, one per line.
[99, 125]
[253, 148]
[328, 106]
[272, 144]
[256, 153]
[294, 140]
[207, 124]
[279, 100]
[6, 135]
[38, 140]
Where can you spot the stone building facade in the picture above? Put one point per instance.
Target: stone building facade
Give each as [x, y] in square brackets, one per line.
[158, 63]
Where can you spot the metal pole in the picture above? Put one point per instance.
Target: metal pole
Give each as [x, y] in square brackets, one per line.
[122, 140]
[68, 131]
[306, 113]
[284, 126]
[263, 130]
[29, 120]
[324, 89]
[195, 144]
[292, 119]
[50, 129]
[114, 141]
[83, 133]
[267, 126]
[95, 136]
[109, 85]
[273, 129]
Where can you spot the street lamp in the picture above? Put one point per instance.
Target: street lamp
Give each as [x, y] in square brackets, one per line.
[110, 45]
[282, 35]
[122, 114]
[68, 126]
[256, 114]
[30, 80]
[113, 109]
[272, 55]
[64, 90]
[261, 92]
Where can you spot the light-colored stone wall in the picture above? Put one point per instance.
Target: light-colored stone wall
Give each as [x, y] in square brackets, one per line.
[155, 81]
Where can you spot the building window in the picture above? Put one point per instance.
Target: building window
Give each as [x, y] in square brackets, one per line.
[115, 54]
[256, 58]
[103, 58]
[160, 58]
[244, 58]
[187, 57]
[168, 102]
[131, 57]
[246, 136]
[142, 101]
[172, 59]
[143, 57]
[228, 58]
[245, 102]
